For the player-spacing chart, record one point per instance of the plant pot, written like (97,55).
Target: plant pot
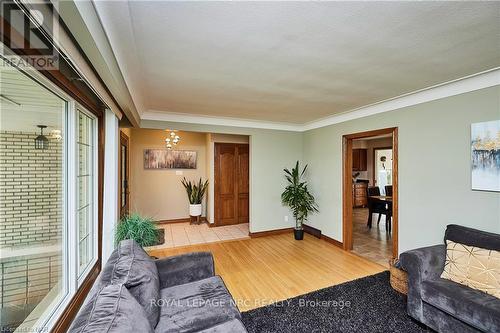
(299,234)
(195,210)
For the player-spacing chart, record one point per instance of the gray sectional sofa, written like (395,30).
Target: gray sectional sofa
(444,305)
(135,293)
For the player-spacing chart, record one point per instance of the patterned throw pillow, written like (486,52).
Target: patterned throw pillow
(474,267)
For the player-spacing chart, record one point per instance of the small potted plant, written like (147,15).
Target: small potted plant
(141,229)
(298,198)
(195,193)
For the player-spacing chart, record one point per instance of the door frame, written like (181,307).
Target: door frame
(123,139)
(347,191)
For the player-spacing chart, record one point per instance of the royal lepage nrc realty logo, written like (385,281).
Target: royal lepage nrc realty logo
(22,33)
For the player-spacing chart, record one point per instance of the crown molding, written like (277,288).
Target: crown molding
(219,121)
(466,84)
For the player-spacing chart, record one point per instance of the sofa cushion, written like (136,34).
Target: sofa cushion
(473,267)
(195,306)
(129,264)
(474,307)
(111,309)
(472,237)
(137,271)
(231,326)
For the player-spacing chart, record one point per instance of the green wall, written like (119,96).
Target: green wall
(434,168)
(270,152)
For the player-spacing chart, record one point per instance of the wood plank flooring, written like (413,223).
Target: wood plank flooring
(263,270)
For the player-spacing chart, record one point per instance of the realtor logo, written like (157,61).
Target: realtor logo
(28,30)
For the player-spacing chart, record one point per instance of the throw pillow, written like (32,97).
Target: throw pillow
(473,267)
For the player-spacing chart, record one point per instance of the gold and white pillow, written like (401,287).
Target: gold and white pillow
(472,266)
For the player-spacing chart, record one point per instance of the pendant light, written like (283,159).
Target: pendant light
(41,141)
(173,140)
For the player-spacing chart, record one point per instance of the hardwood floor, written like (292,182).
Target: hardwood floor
(263,270)
(374,244)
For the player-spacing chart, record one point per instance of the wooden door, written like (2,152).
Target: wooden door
(231,183)
(124,193)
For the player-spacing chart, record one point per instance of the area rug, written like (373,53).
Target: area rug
(365,305)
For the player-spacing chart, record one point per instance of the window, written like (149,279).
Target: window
(48,200)
(383,168)
(86,195)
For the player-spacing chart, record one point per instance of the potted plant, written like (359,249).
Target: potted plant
(298,198)
(139,228)
(195,193)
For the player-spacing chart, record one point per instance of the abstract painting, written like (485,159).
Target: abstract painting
(169,159)
(485,143)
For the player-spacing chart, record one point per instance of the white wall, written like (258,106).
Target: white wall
(434,168)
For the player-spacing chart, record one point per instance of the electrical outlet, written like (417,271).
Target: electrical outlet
(286,218)
(178,172)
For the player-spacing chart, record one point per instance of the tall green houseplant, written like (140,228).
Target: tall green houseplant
(298,198)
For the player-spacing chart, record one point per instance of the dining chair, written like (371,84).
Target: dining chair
(376,206)
(388,190)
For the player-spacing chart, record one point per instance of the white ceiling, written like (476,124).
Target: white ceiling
(33,104)
(294,62)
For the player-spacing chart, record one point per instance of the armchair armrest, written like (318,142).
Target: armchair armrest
(185,268)
(427,262)
(422,264)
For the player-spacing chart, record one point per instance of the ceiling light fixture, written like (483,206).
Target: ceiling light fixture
(41,141)
(172,140)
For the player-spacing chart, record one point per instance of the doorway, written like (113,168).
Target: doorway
(231,184)
(383,172)
(124,172)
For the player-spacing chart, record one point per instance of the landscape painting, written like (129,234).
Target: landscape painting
(169,159)
(485,142)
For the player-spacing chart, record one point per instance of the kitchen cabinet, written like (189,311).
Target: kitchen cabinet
(359,160)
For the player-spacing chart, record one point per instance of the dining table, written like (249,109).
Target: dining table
(385,199)
(382,198)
